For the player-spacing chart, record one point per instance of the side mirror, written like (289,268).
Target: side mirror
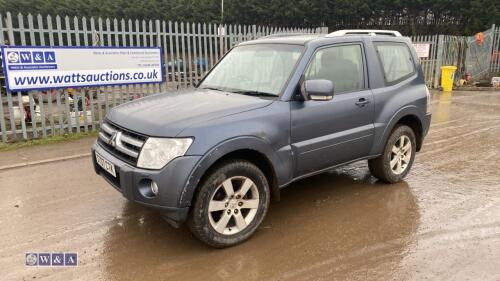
(317,89)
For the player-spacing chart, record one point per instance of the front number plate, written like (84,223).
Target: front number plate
(105,164)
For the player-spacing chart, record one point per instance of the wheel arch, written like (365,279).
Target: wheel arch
(409,116)
(415,124)
(251,149)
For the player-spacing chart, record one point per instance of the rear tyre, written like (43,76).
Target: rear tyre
(396,161)
(230,204)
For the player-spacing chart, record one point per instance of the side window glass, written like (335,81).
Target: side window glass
(343,65)
(396,61)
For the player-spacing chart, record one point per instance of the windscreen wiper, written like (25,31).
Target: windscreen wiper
(255,93)
(212,88)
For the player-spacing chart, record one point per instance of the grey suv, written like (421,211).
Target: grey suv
(271,112)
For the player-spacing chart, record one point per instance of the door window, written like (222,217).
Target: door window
(343,65)
(396,61)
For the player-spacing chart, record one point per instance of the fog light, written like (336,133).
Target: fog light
(148,188)
(154,188)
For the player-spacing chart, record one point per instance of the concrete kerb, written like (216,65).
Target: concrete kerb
(45,161)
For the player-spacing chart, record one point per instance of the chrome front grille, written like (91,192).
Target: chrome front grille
(124,144)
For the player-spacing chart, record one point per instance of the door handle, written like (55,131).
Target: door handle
(362,102)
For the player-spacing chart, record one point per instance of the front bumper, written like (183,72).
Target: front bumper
(171,181)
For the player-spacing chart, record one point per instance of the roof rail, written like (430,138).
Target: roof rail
(371,32)
(286,34)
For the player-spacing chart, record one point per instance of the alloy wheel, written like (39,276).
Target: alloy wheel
(233,205)
(400,155)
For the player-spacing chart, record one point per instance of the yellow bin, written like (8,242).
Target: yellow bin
(447,77)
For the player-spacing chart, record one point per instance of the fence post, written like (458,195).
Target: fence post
(211,46)
(439,58)
(31,109)
(10,29)
(195,51)
(3,129)
(490,51)
(189,67)
(2,119)
(23,114)
(10,106)
(2,40)
(216,42)
(172,56)
(158,44)
(183,47)
(204,52)
(495,65)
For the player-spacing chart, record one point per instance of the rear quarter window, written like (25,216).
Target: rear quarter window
(396,61)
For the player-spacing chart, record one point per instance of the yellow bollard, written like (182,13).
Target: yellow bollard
(447,77)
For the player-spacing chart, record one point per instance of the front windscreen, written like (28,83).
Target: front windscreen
(260,68)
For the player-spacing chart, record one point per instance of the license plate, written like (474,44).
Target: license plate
(105,164)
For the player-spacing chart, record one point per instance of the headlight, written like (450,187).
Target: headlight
(157,152)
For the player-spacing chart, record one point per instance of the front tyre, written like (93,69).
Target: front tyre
(396,161)
(230,204)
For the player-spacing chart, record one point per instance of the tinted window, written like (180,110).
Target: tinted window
(343,65)
(396,61)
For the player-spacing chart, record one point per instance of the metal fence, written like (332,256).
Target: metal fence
(190,49)
(430,63)
(472,58)
(495,51)
(478,55)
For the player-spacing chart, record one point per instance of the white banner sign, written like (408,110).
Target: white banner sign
(37,68)
(422,49)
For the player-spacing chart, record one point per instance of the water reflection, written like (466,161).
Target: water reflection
(341,224)
(442,108)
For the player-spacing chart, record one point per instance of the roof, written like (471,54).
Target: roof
(283,38)
(370,32)
(304,38)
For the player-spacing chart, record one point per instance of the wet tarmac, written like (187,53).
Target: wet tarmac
(441,223)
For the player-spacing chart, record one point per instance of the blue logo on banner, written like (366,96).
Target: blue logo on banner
(13,57)
(43,259)
(25,57)
(57,259)
(70,259)
(31,259)
(35,60)
(51,259)
(38,57)
(50,56)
